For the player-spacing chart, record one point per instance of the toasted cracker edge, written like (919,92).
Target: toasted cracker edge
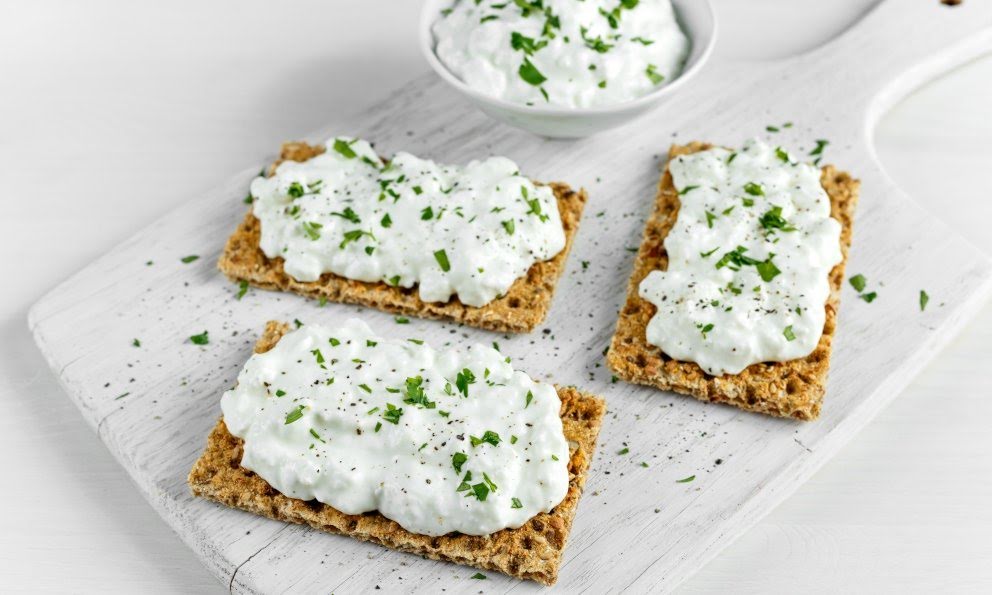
(524,306)
(785,389)
(532,551)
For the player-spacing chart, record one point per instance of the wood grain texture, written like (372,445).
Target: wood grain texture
(85,327)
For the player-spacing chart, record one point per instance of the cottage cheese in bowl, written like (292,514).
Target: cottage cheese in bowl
(562,53)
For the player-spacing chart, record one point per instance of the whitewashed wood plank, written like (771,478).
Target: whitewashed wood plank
(636,527)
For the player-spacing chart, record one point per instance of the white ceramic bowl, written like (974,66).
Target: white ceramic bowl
(697,20)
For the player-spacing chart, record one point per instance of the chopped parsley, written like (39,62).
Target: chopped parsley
(595,44)
(190,258)
(818,150)
(311,229)
(869,297)
(426,214)
(348,214)
(479,576)
(457,460)
(704,328)
(509,226)
(442,260)
(858,282)
(242,289)
(294,415)
(754,189)
(415,394)
(516,503)
(773,221)
(686,479)
(201,339)
(295,190)
(924,299)
(789,335)
(344,148)
(136,343)
(653,74)
(528,399)
(463,379)
(488,437)
(525,44)
(392,414)
(386,221)
(530,73)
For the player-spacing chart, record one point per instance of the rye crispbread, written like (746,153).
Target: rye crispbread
(532,551)
(785,389)
(523,307)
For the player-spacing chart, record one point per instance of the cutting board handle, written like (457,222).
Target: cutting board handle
(901,44)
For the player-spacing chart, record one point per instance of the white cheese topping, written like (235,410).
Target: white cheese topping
(749,259)
(562,52)
(469,231)
(438,441)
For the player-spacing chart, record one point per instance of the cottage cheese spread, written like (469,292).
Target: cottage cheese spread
(438,441)
(749,259)
(469,231)
(569,53)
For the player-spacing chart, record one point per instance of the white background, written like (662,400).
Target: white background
(112,113)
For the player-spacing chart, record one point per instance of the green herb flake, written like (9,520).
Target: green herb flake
(789,335)
(924,299)
(516,503)
(311,229)
(401,320)
(479,576)
(686,479)
(392,413)
(623,451)
(869,297)
(242,290)
(190,258)
(656,77)
(442,260)
(457,460)
(488,437)
(386,221)
(509,226)
(530,73)
(463,379)
(858,282)
(344,148)
(136,343)
(754,189)
(528,399)
(294,415)
(348,214)
(201,339)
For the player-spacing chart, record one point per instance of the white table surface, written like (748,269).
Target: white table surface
(140,105)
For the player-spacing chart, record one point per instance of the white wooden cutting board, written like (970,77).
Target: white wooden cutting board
(636,527)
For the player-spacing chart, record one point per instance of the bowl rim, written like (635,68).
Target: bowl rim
(430,10)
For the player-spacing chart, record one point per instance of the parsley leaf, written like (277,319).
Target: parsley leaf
(442,260)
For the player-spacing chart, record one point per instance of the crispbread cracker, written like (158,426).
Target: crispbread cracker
(523,307)
(532,551)
(785,389)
